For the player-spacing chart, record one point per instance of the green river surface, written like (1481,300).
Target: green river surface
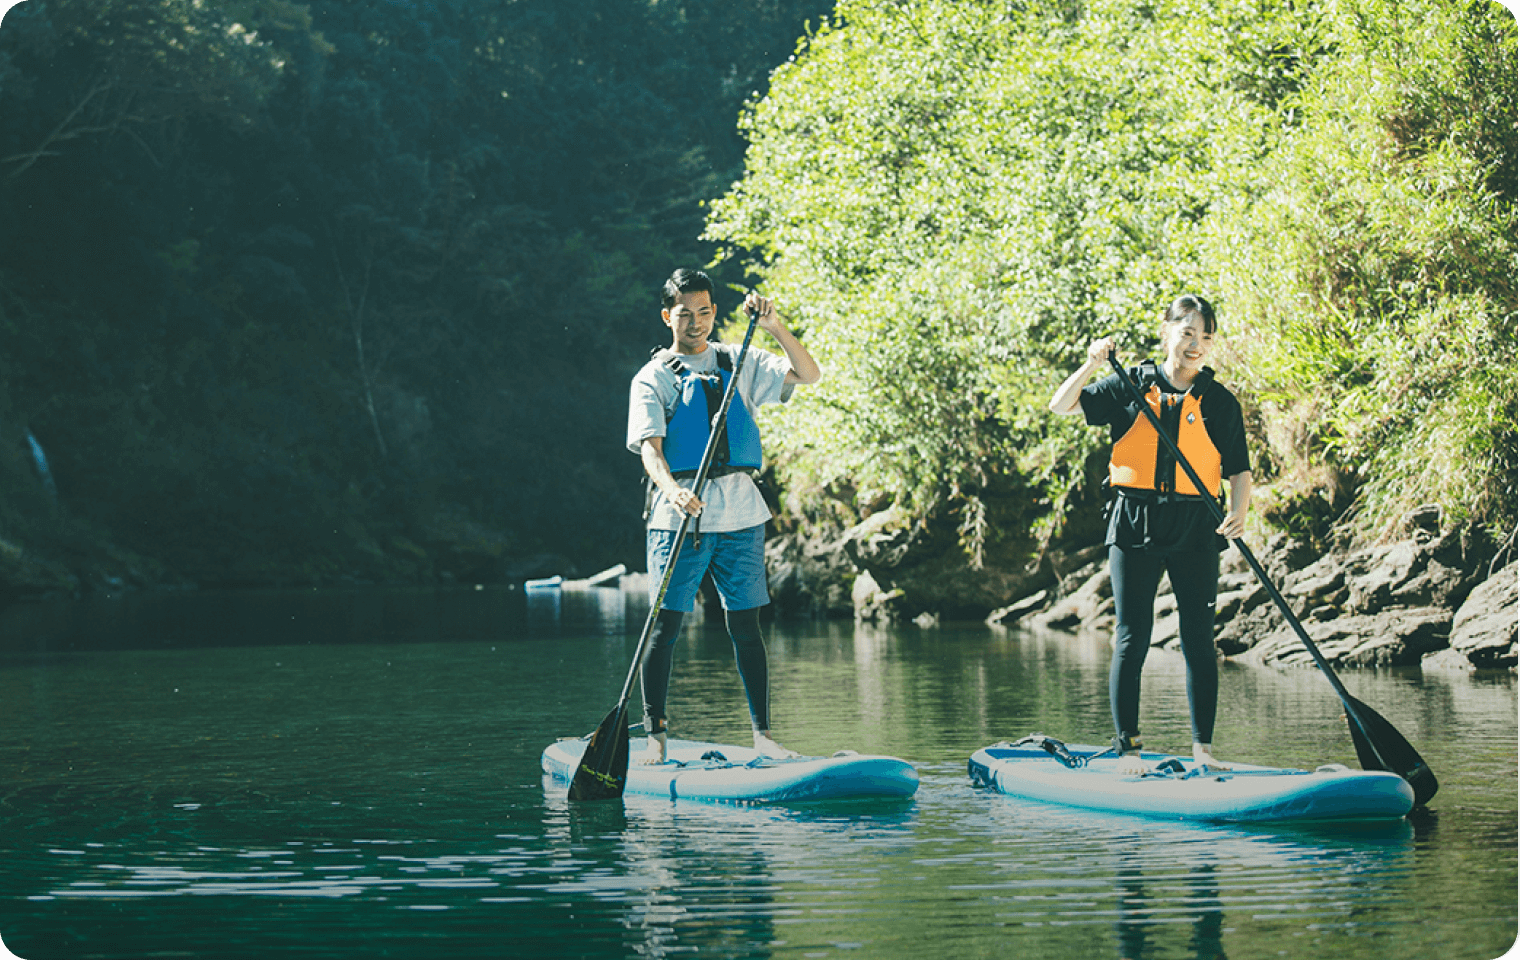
(356,774)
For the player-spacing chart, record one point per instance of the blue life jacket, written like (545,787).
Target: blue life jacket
(687,428)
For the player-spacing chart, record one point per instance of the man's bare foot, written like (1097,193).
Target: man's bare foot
(770,748)
(654,754)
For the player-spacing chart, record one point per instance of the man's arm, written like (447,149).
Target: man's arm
(804,367)
(652,452)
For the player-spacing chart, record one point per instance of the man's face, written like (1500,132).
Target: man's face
(690,319)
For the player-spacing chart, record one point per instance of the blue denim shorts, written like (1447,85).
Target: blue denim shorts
(736,558)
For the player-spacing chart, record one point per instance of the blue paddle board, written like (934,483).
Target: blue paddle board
(1178,789)
(723,772)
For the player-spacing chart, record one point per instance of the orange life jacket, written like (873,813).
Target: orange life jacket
(1140,461)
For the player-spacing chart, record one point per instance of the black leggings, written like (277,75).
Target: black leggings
(749,654)
(1195,581)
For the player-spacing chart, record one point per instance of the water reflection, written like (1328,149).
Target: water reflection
(871,646)
(1181,890)
(690,887)
(1201,909)
(357,774)
(543,609)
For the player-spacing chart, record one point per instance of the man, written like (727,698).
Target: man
(669,419)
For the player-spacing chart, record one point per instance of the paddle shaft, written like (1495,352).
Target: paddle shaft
(719,419)
(1240,543)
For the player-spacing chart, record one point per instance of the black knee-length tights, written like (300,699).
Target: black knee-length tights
(749,654)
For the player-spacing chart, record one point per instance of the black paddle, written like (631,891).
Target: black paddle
(603,770)
(1378,745)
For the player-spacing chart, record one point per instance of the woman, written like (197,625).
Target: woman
(1159,521)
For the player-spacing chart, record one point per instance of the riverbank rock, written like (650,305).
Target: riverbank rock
(78,567)
(923,567)
(1384,605)
(1085,604)
(1394,638)
(871,603)
(1073,600)
(810,577)
(1483,632)
(888,569)
(23,576)
(1429,597)
(973,553)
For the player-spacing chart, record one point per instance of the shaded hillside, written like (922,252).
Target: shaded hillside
(314,292)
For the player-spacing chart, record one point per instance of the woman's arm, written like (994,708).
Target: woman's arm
(1068,397)
(1234,525)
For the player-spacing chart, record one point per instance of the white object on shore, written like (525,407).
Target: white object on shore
(607,578)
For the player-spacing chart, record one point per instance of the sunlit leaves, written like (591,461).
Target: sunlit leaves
(1375,268)
(957,196)
(964,194)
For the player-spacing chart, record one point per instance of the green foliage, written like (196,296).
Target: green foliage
(956,197)
(1376,278)
(303,289)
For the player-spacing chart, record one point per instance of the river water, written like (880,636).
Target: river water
(335,775)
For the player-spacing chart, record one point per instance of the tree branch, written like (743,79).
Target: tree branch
(62,131)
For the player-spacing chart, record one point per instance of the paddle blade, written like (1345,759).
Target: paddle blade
(603,770)
(1381,747)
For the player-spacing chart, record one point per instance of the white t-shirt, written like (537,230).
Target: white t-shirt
(733,502)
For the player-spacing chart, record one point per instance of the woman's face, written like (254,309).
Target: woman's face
(1186,343)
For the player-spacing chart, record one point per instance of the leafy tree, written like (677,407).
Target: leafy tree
(1377,274)
(962,195)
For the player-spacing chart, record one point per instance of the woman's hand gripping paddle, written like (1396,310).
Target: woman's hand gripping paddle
(603,770)
(1378,745)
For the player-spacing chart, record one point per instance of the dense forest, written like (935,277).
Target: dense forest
(964,195)
(347,290)
(350,290)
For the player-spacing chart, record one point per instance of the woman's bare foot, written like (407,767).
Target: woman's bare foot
(1131,765)
(1203,755)
(770,748)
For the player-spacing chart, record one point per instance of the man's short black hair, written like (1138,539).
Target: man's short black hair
(685,280)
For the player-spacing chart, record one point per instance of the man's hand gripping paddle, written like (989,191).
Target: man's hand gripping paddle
(1378,745)
(603,770)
